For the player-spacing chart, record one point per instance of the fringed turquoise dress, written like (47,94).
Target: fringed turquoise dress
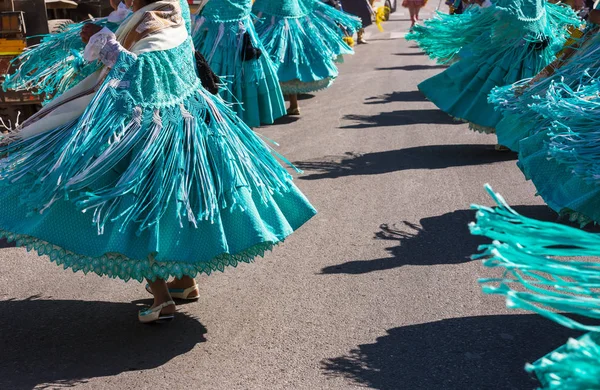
(558,152)
(562,160)
(156,178)
(517,102)
(524,39)
(224,34)
(56,63)
(304,38)
(443,36)
(541,273)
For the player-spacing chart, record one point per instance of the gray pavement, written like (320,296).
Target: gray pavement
(376,291)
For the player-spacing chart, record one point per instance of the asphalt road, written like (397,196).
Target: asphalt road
(376,291)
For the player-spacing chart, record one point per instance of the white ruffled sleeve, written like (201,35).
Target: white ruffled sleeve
(104,46)
(120,14)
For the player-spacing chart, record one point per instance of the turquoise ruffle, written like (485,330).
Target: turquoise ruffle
(575,365)
(54,65)
(539,265)
(443,36)
(541,272)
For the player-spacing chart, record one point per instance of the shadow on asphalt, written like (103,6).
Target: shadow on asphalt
(487,352)
(302,96)
(399,96)
(305,96)
(418,157)
(286,120)
(400,118)
(443,239)
(62,343)
(420,53)
(5,244)
(414,67)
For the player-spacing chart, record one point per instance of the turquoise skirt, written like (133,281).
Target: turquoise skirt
(305,48)
(528,105)
(560,153)
(575,365)
(252,86)
(462,90)
(517,105)
(563,191)
(508,53)
(187,189)
(71,239)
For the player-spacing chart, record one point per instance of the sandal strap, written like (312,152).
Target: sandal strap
(164,304)
(189,290)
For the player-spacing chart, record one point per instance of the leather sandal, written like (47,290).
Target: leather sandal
(180,293)
(293,111)
(153,314)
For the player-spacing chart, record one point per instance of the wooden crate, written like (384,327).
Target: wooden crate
(12,24)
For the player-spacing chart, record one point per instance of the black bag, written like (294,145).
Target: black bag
(334,3)
(540,44)
(249,52)
(210,81)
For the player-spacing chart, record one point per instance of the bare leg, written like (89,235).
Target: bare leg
(411,11)
(293,101)
(417,14)
(161,295)
(294,109)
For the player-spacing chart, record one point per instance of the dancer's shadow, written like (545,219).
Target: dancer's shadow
(398,96)
(419,157)
(302,96)
(486,352)
(419,53)
(400,118)
(5,244)
(286,120)
(305,96)
(414,67)
(60,343)
(443,239)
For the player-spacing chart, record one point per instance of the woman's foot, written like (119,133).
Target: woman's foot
(294,108)
(185,284)
(163,308)
(293,111)
(158,312)
(185,288)
(360,37)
